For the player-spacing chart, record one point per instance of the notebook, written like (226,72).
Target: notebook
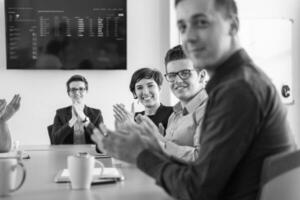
(110,174)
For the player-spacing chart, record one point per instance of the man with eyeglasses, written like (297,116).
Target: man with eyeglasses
(184,124)
(245,121)
(74,124)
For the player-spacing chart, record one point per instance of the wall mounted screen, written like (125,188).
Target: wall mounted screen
(66,34)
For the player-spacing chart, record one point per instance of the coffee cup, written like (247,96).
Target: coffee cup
(81,167)
(8,175)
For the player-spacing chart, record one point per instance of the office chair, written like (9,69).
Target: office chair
(49,128)
(281,177)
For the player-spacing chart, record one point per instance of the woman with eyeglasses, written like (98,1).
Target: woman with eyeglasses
(74,124)
(145,85)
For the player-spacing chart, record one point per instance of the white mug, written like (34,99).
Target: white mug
(81,168)
(8,175)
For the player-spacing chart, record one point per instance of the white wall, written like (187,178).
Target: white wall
(44,91)
(288,9)
(270,9)
(148,39)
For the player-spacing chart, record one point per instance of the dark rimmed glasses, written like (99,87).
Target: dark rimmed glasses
(183,74)
(80,89)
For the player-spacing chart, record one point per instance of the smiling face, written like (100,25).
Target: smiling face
(205,31)
(186,89)
(77,91)
(147,92)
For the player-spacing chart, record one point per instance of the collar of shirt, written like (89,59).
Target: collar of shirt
(235,60)
(198,100)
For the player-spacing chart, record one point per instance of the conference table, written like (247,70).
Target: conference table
(46,160)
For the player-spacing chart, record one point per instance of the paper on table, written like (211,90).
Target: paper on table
(109,172)
(15,154)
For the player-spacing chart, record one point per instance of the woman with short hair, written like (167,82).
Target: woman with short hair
(145,85)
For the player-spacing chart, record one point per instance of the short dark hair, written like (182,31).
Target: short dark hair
(176,53)
(77,78)
(229,6)
(145,73)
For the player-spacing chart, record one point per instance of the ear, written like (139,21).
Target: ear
(235,25)
(202,76)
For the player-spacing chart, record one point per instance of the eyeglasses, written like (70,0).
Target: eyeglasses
(183,74)
(80,89)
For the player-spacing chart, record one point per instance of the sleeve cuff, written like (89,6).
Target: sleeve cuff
(170,148)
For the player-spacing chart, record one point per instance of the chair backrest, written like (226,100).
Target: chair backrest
(281,177)
(49,128)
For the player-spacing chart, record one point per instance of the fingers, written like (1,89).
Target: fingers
(16,101)
(97,138)
(2,104)
(121,112)
(103,129)
(147,122)
(126,144)
(138,118)
(132,109)
(78,111)
(161,129)
(75,111)
(118,113)
(118,118)
(112,143)
(151,130)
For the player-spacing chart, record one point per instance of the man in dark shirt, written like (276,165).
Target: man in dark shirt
(244,123)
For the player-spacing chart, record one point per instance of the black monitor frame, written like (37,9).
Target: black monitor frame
(66,34)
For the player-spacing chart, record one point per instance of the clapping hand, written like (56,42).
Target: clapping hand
(122,116)
(7,112)
(78,111)
(126,144)
(161,129)
(150,130)
(2,106)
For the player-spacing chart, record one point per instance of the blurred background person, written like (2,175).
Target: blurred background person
(6,112)
(74,124)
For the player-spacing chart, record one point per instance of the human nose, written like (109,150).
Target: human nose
(178,79)
(190,35)
(145,90)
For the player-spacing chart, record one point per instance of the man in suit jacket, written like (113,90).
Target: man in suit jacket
(74,124)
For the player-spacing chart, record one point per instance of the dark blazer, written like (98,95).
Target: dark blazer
(62,133)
